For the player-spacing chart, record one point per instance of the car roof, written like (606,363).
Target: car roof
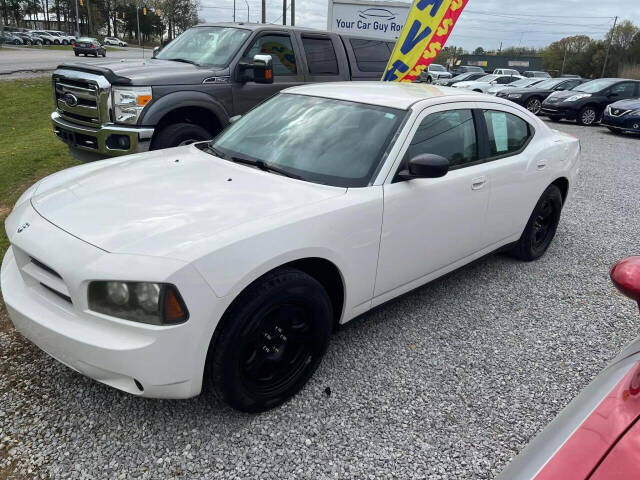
(398,95)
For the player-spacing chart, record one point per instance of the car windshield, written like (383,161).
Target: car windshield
(333,142)
(487,78)
(462,76)
(595,85)
(205,45)
(548,84)
(524,82)
(437,68)
(86,39)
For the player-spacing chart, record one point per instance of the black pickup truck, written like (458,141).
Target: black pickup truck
(192,87)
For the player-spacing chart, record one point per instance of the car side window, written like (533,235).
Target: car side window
(624,90)
(572,84)
(450,134)
(321,56)
(507,133)
(504,80)
(281,51)
(371,55)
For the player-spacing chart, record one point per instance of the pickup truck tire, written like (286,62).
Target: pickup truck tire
(269,342)
(77,54)
(179,134)
(541,227)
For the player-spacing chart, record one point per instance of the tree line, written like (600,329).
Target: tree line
(578,54)
(160,19)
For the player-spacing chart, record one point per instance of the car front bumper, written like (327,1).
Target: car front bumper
(102,141)
(144,360)
(553,110)
(627,123)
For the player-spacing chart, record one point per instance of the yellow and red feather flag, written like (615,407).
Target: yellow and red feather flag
(427,29)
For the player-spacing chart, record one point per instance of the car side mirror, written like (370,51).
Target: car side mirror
(235,118)
(155,52)
(626,277)
(262,66)
(426,165)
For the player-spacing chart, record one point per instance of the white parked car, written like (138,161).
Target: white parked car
(64,39)
(522,83)
(46,37)
(506,71)
(483,84)
(229,262)
(114,41)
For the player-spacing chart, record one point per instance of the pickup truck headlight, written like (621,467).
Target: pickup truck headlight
(144,302)
(128,103)
(576,97)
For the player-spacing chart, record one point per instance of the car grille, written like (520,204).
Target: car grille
(38,274)
(79,98)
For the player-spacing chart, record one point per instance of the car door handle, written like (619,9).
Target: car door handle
(478,183)
(541,164)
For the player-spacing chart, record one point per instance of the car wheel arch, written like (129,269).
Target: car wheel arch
(563,184)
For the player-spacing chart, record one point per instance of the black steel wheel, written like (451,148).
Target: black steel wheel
(270,341)
(541,227)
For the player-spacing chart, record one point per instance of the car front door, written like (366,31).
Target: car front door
(621,91)
(286,70)
(433,224)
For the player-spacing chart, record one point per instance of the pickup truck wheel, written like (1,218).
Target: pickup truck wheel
(270,342)
(541,227)
(77,54)
(179,134)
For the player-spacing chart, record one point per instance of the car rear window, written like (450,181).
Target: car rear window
(321,56)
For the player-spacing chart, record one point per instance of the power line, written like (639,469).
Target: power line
(541,22)
(470,10)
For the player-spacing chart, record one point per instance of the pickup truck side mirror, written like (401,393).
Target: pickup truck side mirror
(155,52)
(262,66)
(426,165)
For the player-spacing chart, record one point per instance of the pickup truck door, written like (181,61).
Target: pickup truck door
(287,70)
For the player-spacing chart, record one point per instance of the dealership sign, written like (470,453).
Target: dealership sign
(383,20)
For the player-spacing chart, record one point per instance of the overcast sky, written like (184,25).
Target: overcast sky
(483,23)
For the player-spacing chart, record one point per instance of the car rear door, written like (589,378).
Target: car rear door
(432,223)
(323,57)
(287,69)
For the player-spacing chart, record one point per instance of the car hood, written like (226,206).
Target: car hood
(148,71)
(561,94)
(468,84)
(158,202)
(629,104)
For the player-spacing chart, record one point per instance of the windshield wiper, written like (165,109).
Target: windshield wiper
(267,167)
(209,146)
(183,60)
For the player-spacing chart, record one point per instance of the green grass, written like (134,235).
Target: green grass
(28,148)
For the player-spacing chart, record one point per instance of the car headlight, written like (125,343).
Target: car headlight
(577,96)
(515,95)
(144,302)
(128,103)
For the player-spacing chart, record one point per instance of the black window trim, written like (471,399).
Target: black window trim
(319,36)
(277,33)
(482,140)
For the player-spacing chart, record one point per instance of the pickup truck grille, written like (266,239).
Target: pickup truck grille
(81,98)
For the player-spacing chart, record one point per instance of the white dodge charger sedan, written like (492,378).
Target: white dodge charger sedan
(227,264)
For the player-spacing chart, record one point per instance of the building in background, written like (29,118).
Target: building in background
(490,62)
(383,20)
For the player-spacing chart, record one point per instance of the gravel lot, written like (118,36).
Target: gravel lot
(449,381)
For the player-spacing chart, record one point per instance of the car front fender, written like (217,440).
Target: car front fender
(190,98)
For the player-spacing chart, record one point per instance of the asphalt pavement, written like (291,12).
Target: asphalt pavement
(447,382)
(15,60)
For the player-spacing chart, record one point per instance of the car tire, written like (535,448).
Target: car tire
(104,54)
(541,227)
(179,134)
(77,54)
(270,341)
(56,42)
(534,105)
(587,116)
(616,131)
(429,80)
(64,42)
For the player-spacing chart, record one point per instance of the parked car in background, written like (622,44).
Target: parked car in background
(535,73)
(115,267)
(89,46)
(195,84)
(569,75)
(522,83)
(63,39)
(586,103)
(506,71)
(532,98)
(463,77)
(29,39)
(47,38)
(467,69)
(433,73)
(483,84)
(596,436)
(623,116)
(11,39)
(114,41)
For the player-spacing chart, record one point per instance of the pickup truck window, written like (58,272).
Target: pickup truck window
(320,140)
(321,56)
(371,55)
(205,45)
(281,51)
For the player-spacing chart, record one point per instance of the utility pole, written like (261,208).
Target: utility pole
(606,57)
(564,59)
(248,15)
(234,11)
(138,21)
(293,12)
(264,11)
(500,49)
(88,20)
(77,21)
(284,12)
